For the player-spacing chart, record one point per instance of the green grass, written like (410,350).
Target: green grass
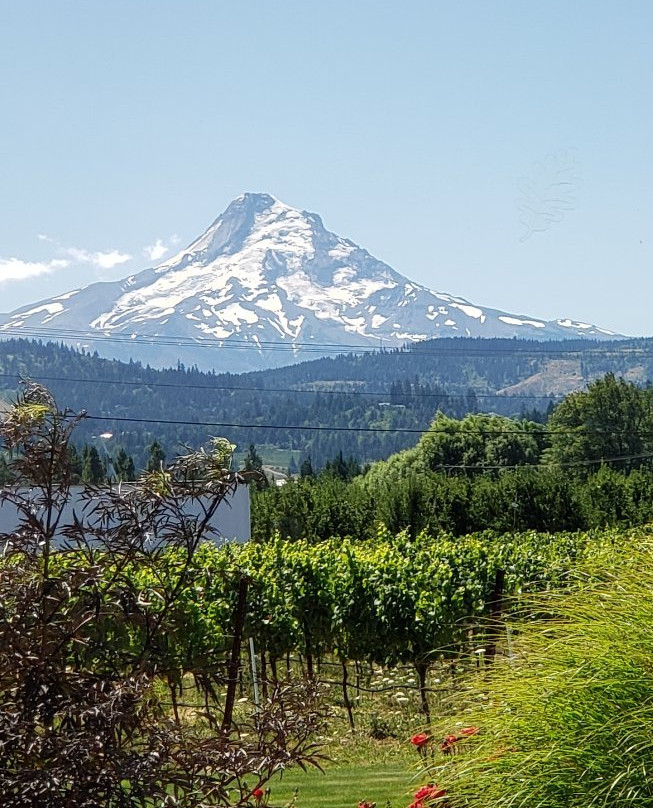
(345,786)
(270,454)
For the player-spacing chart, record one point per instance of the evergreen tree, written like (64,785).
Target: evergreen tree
(157,458)
(253,460)
(343,469)
(123,465)
(75,462)
(5,472)
(92,469)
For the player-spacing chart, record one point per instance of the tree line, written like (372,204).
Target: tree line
(589,466)
(383,391)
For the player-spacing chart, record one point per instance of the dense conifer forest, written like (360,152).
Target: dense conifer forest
(307,408)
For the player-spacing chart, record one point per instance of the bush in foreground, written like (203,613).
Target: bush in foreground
(85,645)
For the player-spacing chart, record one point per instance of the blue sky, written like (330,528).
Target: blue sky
(421,130)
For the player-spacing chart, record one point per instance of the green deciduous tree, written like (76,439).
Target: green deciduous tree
(611,419)
(480,441)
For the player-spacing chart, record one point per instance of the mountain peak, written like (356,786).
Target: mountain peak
(225,234)
(255,198)
(234,226)
(266,276)
(250,203)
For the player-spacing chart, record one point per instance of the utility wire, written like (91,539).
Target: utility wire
(229,388)
(307,428)
(581,430)
(551,466)
(218,343)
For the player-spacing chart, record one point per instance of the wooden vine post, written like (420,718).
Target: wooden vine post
(233,665)
(496,613)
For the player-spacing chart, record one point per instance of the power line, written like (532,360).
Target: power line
(229,388)
(185,341)
(551,466)
(237,343)
(307,428)
(581,430)
(442,467)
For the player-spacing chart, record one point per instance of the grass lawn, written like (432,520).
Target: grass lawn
(345,785)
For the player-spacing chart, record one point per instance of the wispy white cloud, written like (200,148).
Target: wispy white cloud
(156,250)
(101,260)
(15,269)
(160,247)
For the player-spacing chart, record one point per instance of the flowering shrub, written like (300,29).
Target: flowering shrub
(89,630)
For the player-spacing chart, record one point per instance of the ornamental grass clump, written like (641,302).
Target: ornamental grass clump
(566,720)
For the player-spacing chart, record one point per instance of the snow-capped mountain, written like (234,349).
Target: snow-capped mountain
(266,285)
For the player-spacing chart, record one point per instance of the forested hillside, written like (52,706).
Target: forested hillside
(588,467)
(367,406)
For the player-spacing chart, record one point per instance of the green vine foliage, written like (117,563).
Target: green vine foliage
(386,600)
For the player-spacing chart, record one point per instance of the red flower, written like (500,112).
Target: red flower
(432,792)
(420,740)
(448,743)
(258,794)
(469,731)
(366,804)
